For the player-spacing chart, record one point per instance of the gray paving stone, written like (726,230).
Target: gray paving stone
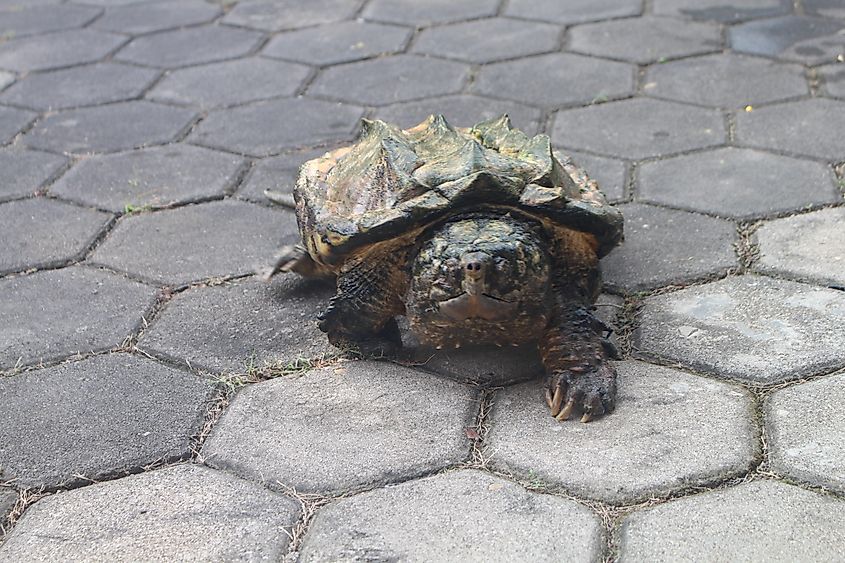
(40,233)
(390,80)
(8,498)
(232,327)
(555,80)
(646,39)
(276,15)
(54,314)
(461,110)
(230,82)
(758,521)
(96,418)
(23,172)
(32,20)
(722,11)
(806,426)
(80,86)
(573,11)
(796,38)
(338,42)
(155,177)
(834,79)
(825,8)
(810,247)
(12,122)
(726,80)
(638,128)
(276,173)
(611,174)
(488,40)
(183,47)
(156,16)
(186,512)
(738,183)
(195,242)
(670,430)
(423,14)
(664,247)
(264,128)
(104,128)
(404,424)
(749,328)
(809,127)
(6,78)
(455,516)
(56,50)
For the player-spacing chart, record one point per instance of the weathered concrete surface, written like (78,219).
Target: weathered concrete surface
(670,430)
(454,516)
(806,425)
(749,328)
(759,521)
(186,513)
(342,421)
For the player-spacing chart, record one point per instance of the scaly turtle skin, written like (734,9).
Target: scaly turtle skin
(478,235)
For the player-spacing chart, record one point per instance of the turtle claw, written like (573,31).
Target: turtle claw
(566,412)
(587,417)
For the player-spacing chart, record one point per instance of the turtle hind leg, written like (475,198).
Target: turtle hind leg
(294,258)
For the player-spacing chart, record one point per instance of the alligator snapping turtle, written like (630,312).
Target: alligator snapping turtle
(480,235)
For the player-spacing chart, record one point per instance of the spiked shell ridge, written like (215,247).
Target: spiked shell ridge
(393,181)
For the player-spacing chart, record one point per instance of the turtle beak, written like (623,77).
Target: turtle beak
(475,302)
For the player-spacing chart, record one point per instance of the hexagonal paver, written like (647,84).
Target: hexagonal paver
(726,80)
(722,11)
(810,246)
(230,82)
(422,14)
(104,128)
(404,424)
(390,79)
(23,172)
(182,512)
(57,50)
(611,174)
(806,424)
(646,39)
(758,521)
(664,247)
(53,314)
(264,128)
(6,78)
(638,128)
(555,80)
(462,110)
(827,8)
(99,417)
(809,127)
(834,79)
(749,327)
(573,11)
(670,430)
(155,177)
(40,233)
(40,19)
(444,518)
(796,38)
(338,42)
(12,121)
(488,40)
(195,242)
(739,183)
(233,327)
(276,174)
(156,16)
(275,15)
(183,47)
(80,86)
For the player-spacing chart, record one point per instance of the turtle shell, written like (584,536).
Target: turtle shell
(392,182)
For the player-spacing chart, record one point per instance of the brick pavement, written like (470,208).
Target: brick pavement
(157,402)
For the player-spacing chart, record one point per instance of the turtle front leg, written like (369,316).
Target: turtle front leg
(575,354)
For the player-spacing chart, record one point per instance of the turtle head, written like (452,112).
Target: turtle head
(480,270)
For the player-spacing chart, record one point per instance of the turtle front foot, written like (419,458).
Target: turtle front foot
(591,392)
